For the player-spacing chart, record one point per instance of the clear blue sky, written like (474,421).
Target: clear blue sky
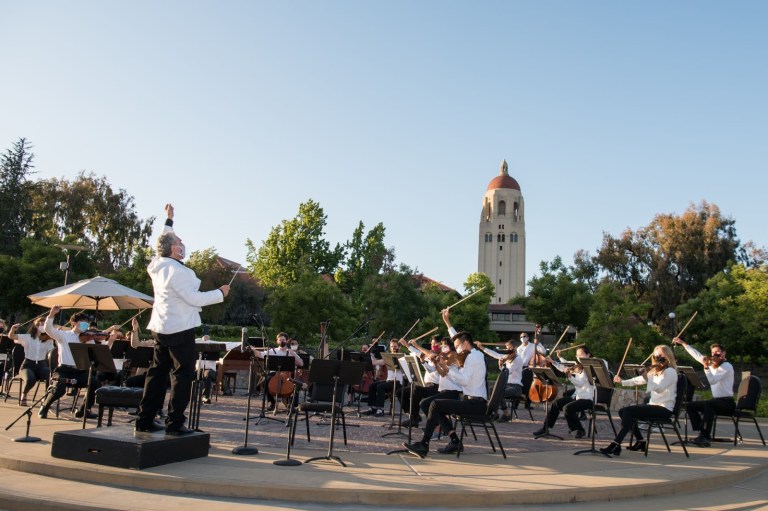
(398,112)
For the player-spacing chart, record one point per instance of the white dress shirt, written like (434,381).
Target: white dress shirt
(514,366)
(471,377)
(662,387)
(583,388)
(720,378)
(62,338)
(34,348)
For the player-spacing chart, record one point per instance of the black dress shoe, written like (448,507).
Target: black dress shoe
(700,441)
(612,449)
(539,432)
(88,414)
(451,448)
(419,449)
(154,427)
(180,431)
(43,413)
(580,433)
(638,446)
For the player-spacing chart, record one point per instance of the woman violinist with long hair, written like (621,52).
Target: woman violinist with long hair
(661,380)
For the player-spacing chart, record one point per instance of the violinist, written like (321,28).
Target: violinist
(282,350)
(37,344)
(572,404)
(719,373)
(66,369)
(377,391)
(471,377)
(446,388)
(661,379)
(514,364)
(431,379)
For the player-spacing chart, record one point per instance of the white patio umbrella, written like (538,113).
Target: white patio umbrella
(97,293)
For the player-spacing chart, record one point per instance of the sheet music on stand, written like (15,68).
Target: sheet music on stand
(598,372)
(390,360)
(693,377)
(632,370)
(410,367)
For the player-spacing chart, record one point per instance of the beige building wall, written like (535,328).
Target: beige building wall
(501,237)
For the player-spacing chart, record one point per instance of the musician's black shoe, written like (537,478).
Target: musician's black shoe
(411,423)
(612,449)
(451,448)
(370,411)
(179,431)
(206,400)
(379,413)
(539,432)
(419,449)
(701,441)
(580,433)
(153,427)
(88,414)
(504,418)
(637,446)
(43,412)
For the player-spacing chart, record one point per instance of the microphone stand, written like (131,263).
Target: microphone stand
(244,449)
(28,413)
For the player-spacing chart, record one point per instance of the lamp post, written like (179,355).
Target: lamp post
(672,325)
(68,249)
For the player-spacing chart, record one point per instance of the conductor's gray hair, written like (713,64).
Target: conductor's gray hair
(164,243)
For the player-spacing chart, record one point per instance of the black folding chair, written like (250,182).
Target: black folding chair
(672,422)
(746,407)
(487,419)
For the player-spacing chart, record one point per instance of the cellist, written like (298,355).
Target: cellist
(282,350)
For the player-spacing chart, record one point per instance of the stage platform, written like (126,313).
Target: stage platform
(542,472)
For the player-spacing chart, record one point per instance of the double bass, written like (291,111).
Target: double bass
(539,391)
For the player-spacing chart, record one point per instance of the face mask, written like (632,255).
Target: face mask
(459,350)
(182,250)
(282,344)
(445,349)
(83,326)
(294,347)
(524,339)
(40,330)
(435,348)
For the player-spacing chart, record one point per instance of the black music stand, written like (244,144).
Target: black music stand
(244,450)
(410,364)
(598,377)
(391,361)
(92,358)
(205,351)
(549,378)
(694,383)
(274,363)
(632,371)
(338,374)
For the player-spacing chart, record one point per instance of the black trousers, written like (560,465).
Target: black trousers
(572,408)
(702,413)
(72,373)
(419,393)
(377,392)
(440,411)
(443,394)
(209,376)
(174,354)
(32,371)
(629,414)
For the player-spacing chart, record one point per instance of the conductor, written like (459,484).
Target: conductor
(175,314)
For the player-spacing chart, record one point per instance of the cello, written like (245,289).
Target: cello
(539,391)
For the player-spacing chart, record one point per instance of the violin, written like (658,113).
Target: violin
(94,335)
(713,362)
(539,391)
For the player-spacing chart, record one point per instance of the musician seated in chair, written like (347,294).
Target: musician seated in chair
(378,390)
(514,364)
(471,377)
(66,371)
(37,344)
(431,380)
(719,374)
(282,350)
(572,403)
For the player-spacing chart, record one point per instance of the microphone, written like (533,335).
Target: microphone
(243,339)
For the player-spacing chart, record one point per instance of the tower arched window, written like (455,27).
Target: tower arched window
(502,208)
(513,237)
(516,212)
(488,237)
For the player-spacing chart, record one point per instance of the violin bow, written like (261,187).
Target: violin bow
(621,366)
(686,325)
(465,298)
(561,339)
(425,334)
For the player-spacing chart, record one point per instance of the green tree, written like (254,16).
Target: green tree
(472,314)
(394,301)
(614,318)
(293,248)
(733,310)
(15,204)
(299,308)
(212,275)
(89,212)
(669,261)
(365,256)
(557,298)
